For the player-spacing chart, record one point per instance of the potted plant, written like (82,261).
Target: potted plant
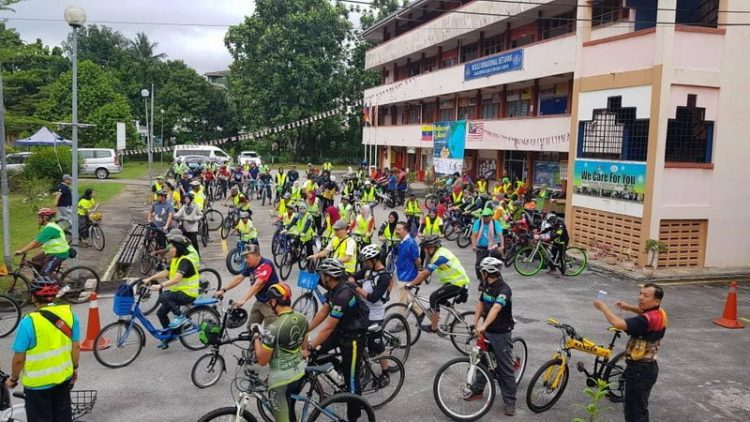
(628,262)
(593,250)
(607,254)
(653,248)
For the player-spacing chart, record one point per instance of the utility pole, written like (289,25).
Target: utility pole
(4,181)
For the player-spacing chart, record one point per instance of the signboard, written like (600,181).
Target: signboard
(120,136)
(547,173)
(448,149)
(492,65)
(625,181)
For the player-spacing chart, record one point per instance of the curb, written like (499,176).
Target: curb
(740,276)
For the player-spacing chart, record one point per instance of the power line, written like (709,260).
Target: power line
(194,24)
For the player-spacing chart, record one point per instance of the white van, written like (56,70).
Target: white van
(247,157)
(100,162)
(209,151)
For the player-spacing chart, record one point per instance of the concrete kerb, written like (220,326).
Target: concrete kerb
(666,276)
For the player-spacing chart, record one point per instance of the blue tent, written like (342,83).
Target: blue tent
(43,138)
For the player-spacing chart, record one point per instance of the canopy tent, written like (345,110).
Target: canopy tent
(43,137)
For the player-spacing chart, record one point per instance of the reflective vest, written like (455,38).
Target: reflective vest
(157,188)
(451,272)
(199,198)
(247,231)
(236,199)
(390,238)
(176,199)
(58,245)
(282,207)
(296,195)
(457,198)
(432,227)
(280,180)
(305,235)
(501,217)
(286,219)
(345,211)
(188,285)
(310,185)
(413,209)
(327,166)
(482,186)
(362,228)
(541,200)
(314,208)
(85,205)
(338,248)
(328,232)
(49,362)
(369,196)
(497,189)
(508,187)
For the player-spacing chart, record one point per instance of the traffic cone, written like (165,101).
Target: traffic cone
(93,327)
(729,317)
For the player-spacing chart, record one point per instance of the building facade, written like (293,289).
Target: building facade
(630,107)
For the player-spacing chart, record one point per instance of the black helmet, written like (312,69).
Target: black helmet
(431,241)
(236,317)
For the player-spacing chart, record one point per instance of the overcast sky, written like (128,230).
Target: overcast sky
(200,46)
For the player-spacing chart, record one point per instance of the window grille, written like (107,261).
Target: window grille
(614,133)
(689,135)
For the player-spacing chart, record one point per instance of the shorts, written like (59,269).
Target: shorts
(375,342)
(443,294)
(261,313)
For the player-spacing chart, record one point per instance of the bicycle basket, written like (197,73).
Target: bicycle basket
(123,301)
(308,281)
(82,402)
(210,333)
(96,216)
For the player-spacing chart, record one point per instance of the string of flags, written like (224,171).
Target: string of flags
(258,134)
(547,140)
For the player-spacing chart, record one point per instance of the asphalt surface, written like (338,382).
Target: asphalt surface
(703,368)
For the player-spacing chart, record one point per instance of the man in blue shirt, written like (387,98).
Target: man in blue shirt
(486,238)
(407,260)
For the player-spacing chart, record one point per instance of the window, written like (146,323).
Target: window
(526,39)
(466,113)
(698,12)
(606,11)
(614,133)
(428,112)
(449,58)
(469,52)
(412,115)
(689,135)
(445,115)
(428,64)
(102,153)
(559,25)
(88,154)
(493,45)
(490,109)
(518,108)
(414,69)
(515,165)
(553,105)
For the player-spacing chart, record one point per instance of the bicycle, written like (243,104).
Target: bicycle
(549,381)
(10,315)
(234,261)
(209,281)
(230,221)
(81,402)
(127,335)
(149,260)
(455,379)
(530,260)
(212,218)
(76,283)
(93,231)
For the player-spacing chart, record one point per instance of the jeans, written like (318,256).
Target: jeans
(171,302)
(481,253)
(50,404)
(502,347)
(639,378)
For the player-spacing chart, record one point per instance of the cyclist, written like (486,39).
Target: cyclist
(265,185)
(45,354)
(542,197)
(387,233)
(363,225)
(457,197)
(86,205)
(199,194)
(182,280)
(368,194)
(281,347)
(160,218)
(306,229)
(314,208)
(252,182)
(235,195)
(450,272)
(293,174)
(343,321)
(331,217)
(342,248)
(373,284)
(481,185)
(557,233)
(190,216)
(246,229)
(413,213)
(237,177)
(346,210)
(283,204)
(264,276)
(51,238)
(495,309)
(329,191)
(486,238)
(432,224)
(157,186)
(309,185)
(295,194)
(224,175)
(280,180)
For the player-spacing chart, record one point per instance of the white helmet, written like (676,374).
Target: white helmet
(333,178)
(370,252)
(491,265)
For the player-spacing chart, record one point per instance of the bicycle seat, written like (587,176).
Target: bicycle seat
(205,301)
(19,394)
(374,328)
(614,330)
(318,369)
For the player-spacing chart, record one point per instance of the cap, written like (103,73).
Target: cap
(487,212)
(195,183)
(67,177)
(340,225)
(251,249)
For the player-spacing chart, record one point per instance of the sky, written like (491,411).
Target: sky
(201,46)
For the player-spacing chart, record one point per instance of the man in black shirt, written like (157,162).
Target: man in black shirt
(64,199)
(495,307)
(292,175)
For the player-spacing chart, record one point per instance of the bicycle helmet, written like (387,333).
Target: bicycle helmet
(491,265)
(370,252)
(176,236)
(244,214)
(331,267)
(44,287)
(367,183)
(46,212)
(431,241)
(236,318)
(551,218)
(333,178)
(195,183)
(162,192)
(281,292)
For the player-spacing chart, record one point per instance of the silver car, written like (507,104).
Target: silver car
(17,162)
(101,162)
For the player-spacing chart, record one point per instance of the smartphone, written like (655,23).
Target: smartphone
(602,295)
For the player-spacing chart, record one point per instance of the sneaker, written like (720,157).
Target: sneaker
(163,345)
(510,409)
(470,395)
(427,328)
(177,322)
(384,380)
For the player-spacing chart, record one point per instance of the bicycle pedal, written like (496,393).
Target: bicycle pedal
(581,367)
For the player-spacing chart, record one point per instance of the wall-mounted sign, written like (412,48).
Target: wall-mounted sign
(499,63)
(621,180)
(449,143)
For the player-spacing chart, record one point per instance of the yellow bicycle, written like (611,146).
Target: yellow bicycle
(549,381)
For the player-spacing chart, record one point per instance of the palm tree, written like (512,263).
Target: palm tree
(142,50)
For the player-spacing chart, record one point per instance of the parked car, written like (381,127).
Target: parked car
(101,162)
(17,162)
(209,151)
(247,157)
(196,161)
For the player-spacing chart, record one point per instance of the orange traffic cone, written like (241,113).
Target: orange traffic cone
(93,327)
(729,318)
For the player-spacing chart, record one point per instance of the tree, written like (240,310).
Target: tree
(102,45)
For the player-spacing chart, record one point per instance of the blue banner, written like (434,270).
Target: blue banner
(499,63)
(449,143)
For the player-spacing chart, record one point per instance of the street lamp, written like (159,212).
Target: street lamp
(146,94)
(75,16)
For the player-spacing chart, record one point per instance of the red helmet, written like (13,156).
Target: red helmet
(44,287)
(46,212)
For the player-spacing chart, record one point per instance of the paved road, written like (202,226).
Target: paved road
(704,369)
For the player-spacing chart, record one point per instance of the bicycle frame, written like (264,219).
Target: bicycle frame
(424,305)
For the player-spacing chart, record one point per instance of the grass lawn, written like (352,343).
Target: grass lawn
(139,169)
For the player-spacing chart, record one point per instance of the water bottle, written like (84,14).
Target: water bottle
(336,377)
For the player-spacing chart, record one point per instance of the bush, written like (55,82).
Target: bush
(36,192)
(49,164)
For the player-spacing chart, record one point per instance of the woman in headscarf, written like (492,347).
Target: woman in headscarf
(332,216)
(190,216)
(387,233)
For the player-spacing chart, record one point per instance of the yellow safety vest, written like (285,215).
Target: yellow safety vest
(286,219)
(282,207)
(369,197)
(305,236)
(482,186)
(296,196)
(413,209)
(452,272)
(432,227)
(58,245)
(85,205)
(189,285)
(280,180)
(497,189)
(176,199)
(199,198)
(390,238)
(49,362)
(508,187)
(362,228)
(310,185)
(247,230)
(158,187)
(338,246)
(314,208)
(457,198)
(345,212)
(236,199)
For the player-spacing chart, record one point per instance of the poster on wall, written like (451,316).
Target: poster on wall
(547,173)
(448,148)
(619,180)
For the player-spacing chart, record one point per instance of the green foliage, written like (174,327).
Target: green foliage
(48,164)
(596,395)
(36,192)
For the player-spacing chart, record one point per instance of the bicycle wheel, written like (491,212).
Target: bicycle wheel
(196,316)
(17,288)
(226,227)
(452,231)
(464,237)
(210,280)
(527,262)
(411,319)
(397,336)
(148,262)
(96,234)
(234,261)
(286,266)
(576,261)
(307,305)
(462,332)
(282,249)
(149,302)
(547,385)
(207,370)
(454,381)
(316,396)
(228,414)
(213,219)
(380,386)
(519,355)
(127,343)
(613,374)
(10,315)
(81,282)
(203,230)
(343,407)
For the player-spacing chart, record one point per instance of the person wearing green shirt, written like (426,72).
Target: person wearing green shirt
(280,346)
(51,239)
(86,205)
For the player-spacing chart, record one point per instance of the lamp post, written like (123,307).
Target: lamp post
(75,16)
(4,181)
(161,155)
(145,94)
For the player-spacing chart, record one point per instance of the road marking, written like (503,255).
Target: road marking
(685,283)
(745,319)
(224,247)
